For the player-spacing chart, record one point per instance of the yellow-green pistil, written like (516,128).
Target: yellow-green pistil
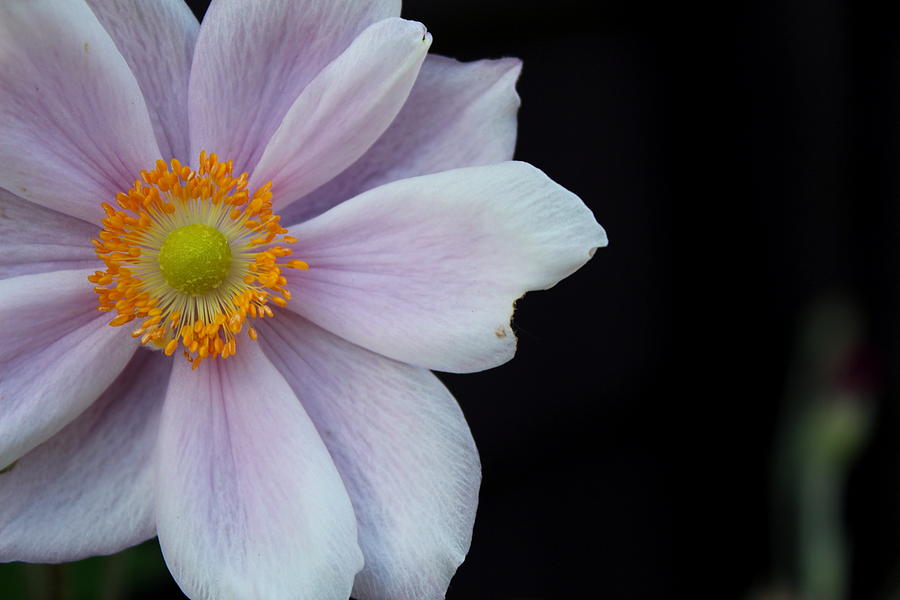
(195,259)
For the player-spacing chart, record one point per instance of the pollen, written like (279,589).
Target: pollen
(195,259)
(194,255)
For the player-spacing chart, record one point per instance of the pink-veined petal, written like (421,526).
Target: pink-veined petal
(426,270)
(249,503)
(457,115)
(156,39)
(254,58)
(34,239)
(75,126)
(344,110)
(88,490)
(57,355)
(404,451)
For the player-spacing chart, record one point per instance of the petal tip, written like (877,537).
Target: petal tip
(514,65)
(602,241)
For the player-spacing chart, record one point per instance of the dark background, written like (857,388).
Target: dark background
(804,101)
(792,117)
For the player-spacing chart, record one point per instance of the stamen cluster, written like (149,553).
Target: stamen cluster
(170,197)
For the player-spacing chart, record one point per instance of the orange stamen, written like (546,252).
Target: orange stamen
(134,228)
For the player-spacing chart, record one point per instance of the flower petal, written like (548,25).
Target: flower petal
(89,489)
(403,449)
(56,356)
(344,110)
(157,41)
(254,58)
(457,115)
(75,127)
(34,239)
(249,503)
(426,270)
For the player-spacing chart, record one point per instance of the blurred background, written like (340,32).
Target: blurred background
(801,99)
(752,415)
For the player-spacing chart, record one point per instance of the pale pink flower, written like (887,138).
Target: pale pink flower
(325,456)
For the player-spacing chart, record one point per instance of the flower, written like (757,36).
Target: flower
(211,165)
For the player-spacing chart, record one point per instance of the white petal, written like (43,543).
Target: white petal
(457,115)
(156,39)
(88,490)
(254,58)
(426,270)
(34,239)
(343,110)
(56,356)
(250,505)
(75,126)
(403,449)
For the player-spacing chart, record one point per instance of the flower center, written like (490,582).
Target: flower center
(195,255)
(195,259)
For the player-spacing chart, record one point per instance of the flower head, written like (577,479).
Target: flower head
(314,214)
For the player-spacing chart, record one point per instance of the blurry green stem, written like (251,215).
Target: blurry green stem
(833,435)
(824,425)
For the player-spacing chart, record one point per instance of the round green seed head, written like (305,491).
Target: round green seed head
(195,259)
